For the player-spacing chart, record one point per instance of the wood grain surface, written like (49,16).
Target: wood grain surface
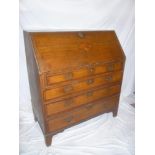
(73,76)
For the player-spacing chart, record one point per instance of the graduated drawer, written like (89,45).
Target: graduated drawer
(77,86)
(83,72)
(80,114)
(86,97)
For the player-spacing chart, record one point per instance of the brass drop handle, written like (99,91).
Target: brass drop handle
(69,76)
(68,119)
(89,106)
(68,88)
(90,81)
(110,67)
(68,102)
(108,78)
(89,94)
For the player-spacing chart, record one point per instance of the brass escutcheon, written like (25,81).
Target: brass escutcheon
(69,76)
(68,88)
(68,102)
(110,67)
(68,119)
(90,93)
(80,34)
(91,70)
(90,81)
(89,106)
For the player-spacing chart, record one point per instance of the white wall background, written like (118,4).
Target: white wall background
(101,135)
(52,15)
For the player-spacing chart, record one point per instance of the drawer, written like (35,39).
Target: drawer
(80,114)
(86,97)
(83,72)
(77,86)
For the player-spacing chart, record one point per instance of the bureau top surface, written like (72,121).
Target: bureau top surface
(60,51)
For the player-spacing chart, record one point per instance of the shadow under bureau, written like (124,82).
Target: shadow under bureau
(73,76)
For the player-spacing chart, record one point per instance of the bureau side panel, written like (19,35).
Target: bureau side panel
(34,81)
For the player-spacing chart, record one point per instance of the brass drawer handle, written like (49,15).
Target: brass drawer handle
(68,119)
(89,106)
(110,67)
(89,94)
(90,81)
(68,102)
(69,76)
(68,88)
(108,78)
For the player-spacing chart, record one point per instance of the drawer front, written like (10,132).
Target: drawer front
(83,113)
(87,97)
(83,73)
(82,85)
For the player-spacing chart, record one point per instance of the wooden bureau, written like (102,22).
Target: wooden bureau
(73,76)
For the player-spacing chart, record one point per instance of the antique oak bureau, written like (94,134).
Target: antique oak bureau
(73,76)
